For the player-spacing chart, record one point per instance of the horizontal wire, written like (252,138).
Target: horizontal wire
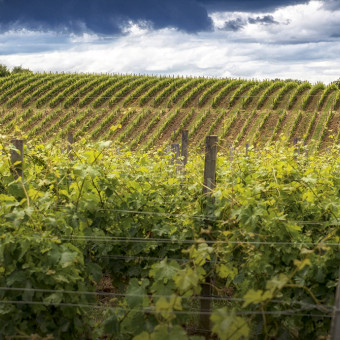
(112,294)
(204,217)
(153,311)
(197,329)
(176,241)
(199,217)
(201,297)
(157,213)
(143,258)
(122,257)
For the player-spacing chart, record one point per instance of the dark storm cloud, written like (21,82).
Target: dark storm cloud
(265,20)
(109,16)
(332,5)
(102,16)
(249,5)
(233,25)
(238,23)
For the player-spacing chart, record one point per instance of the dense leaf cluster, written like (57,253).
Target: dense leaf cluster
(142,222)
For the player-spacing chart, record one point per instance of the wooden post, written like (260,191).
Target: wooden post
(335,325)
(17,156)
(184,149)
(208,185)
(69,145)
(210,164)
(247,150)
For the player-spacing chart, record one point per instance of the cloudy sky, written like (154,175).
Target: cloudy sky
(222,38)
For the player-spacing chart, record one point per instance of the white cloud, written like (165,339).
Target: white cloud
(301,46)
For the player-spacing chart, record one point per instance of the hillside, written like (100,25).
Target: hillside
(153,110)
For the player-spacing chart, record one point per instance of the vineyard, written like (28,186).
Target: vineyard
(151,111)
(168,208)
(98,242)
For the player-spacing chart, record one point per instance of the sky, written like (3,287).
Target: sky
(253,39)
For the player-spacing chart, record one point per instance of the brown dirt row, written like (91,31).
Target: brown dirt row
(98,122)
(286,122)
(46,112)
(302,126)
(154,128)
(268,103)
(73,117)
(313,105)
(235,129)
(253,103)
(311,134)
(250,138)
(332,130)
(204,128)
(209,99)
(329,100)
(135,102)
(238,102)
(228,114)
(298,103)
(225,101)
(220,125)
(285,100)
(143,125)
(166,135)
(249,128)
(267,131)
(56,121)
(105,129)
(50,123)
(137,128)
(189,123)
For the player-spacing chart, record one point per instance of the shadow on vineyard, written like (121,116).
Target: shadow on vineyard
(99,242)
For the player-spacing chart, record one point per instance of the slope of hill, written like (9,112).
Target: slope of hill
(153,110)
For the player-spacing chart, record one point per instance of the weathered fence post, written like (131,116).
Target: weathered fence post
(184,149)
(208,185)
(17,158)
(335,325)
(210,165)
(184,153)
(69,145)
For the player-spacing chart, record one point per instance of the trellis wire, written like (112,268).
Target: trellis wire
(290,312)
(176,241)
(214,298)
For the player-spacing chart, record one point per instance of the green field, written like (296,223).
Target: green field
(153,110)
